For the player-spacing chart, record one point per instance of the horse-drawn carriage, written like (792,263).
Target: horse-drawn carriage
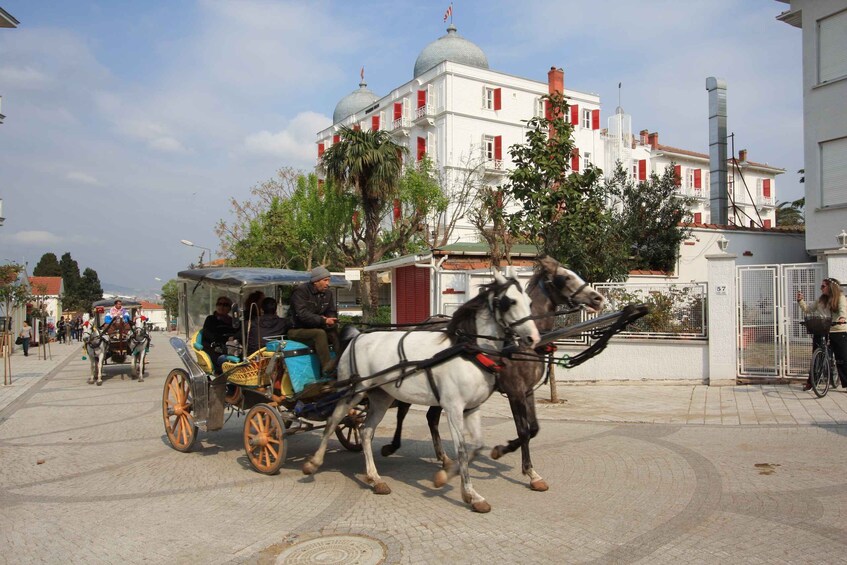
(450,366)
(107,339)
(279,386)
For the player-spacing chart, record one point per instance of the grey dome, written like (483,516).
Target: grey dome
(354,102)
(451,47)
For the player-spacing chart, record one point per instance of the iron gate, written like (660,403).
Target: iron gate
(771,341)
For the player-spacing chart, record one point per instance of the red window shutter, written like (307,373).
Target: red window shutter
(320,149)
(421,147)
(575,115)
(498,100)
(374,123)
(498,148)
(642,169)
(698,218)
(595,119)
(400,156)
(336,139)
(766,188)
(412,294)
(698,178)
(677,175)
(396,210)
(767,223)
(575,159)
(421,98)
(357,127)
(398,110)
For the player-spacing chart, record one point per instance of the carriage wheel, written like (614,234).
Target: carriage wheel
(264,439)
(348,431)
(177,406)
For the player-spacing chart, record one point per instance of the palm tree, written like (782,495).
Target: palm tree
(369,164)
(790,213)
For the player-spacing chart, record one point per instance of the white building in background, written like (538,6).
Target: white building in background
(461,114)
(824,44)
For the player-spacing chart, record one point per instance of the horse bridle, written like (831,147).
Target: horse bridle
(559,282)
(499,306)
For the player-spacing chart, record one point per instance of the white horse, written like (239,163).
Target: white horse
(417,368)
(96,344)
(138,344)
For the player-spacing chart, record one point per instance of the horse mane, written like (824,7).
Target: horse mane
(463,323)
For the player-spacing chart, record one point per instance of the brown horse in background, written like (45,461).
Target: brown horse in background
(550,287)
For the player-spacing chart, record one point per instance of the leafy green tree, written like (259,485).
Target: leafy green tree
(170,299)
(70,276)
(650,218)
(88,290)
(564,212)
(368,164)
(48,266)
(791,213)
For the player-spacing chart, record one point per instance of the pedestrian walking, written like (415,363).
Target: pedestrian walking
(26,337)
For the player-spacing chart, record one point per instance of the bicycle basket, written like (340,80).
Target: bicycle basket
(817,324)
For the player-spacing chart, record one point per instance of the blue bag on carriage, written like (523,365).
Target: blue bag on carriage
(303,369)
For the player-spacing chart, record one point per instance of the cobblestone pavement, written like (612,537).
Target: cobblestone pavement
(638,474)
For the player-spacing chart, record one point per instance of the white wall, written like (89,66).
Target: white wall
(641,360)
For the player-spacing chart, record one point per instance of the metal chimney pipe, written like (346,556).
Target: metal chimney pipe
(718,195)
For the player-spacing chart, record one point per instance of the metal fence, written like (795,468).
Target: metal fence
(677,310)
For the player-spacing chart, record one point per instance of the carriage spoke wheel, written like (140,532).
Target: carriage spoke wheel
(264,439)
(177,406)
(349,430)
(820,373)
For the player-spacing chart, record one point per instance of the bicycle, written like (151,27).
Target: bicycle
(822,373)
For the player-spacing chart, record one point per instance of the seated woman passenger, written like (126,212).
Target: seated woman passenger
(268,324)
(216,329)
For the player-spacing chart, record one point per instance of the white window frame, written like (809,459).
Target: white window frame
(488,147)
(539,108)
(833,167)
(832,47)
(586,158)
(586,118)
(488,98)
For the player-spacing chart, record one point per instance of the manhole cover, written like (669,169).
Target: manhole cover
(347,550)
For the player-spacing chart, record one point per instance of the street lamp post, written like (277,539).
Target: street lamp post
(192,244)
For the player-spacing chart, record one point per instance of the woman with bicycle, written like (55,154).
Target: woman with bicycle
(831,303)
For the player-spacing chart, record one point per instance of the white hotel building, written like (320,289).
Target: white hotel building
(459,112)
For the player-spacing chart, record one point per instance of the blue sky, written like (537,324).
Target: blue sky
(129,125)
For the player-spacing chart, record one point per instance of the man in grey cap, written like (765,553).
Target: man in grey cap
(314,317)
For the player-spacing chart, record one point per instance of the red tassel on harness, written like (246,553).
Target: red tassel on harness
(488,363)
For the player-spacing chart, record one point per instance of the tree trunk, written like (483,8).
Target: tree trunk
(551,369)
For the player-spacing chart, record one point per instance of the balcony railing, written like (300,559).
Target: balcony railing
(401,123)
(494,165)
(426,111)
(766,201)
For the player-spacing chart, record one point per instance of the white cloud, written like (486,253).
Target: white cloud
(296,143)
(23,77)
(156,135)
(36,237)
(83,178)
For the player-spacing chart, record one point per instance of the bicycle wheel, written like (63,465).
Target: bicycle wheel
(820,372)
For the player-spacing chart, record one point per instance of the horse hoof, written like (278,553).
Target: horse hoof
(497,453)
(440,478)
(540,485)
(99,383)
(141,379)
(91,381)
(382,488)
(309,468)
(481,507)
(387,450)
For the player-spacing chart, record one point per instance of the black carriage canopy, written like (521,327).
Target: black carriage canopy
(255,276)
(128,304)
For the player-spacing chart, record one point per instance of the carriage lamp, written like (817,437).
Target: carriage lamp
(723,243)
(842,240)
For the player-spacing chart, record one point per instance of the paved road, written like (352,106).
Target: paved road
(736,475)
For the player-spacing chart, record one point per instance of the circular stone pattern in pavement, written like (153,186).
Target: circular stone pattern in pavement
(329,550)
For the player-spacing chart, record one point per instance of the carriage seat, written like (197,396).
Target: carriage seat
(203,358)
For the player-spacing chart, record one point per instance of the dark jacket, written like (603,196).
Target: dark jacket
(264,326)
(309,307)
(215,333)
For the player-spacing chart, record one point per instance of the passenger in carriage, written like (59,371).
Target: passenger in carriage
(314,317)
(253,306)
(217,328)
(267,325)
(118,312)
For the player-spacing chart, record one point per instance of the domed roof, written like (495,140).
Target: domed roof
(354,102)
(451,47)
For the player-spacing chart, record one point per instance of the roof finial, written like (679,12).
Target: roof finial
(362,77)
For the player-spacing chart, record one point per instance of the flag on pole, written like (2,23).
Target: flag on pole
(362,73)
(449,12)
